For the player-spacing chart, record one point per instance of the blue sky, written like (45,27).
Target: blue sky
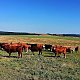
(41,16)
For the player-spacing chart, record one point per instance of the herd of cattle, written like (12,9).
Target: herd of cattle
(19,47)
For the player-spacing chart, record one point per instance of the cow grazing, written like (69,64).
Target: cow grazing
(9,48)
(36,48)
(58,50)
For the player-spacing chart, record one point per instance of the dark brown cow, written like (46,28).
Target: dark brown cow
(58,50)
(36,48)
(9,48)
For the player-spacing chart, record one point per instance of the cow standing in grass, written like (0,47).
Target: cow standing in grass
(48,47)
(58,50)
(36,48)
(25,47)
(13,47)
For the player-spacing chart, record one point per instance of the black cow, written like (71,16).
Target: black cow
(48,47)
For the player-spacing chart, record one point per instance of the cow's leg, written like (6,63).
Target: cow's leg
(55,54)
(59,54)
(64,55)
(9,54)
(71,51)
(50,49)
(39,52)
(26,50)
(21,54)
(18,55)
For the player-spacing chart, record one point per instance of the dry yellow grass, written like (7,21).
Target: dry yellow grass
(46,40)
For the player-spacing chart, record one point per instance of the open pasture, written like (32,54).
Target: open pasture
(40,67)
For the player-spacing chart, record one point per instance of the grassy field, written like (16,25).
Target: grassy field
(40,67)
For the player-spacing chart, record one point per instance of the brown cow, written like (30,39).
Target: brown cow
(26,47)
(58,50)
(9,48)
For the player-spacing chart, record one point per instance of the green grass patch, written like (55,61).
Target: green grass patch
(39,67)
(49,36)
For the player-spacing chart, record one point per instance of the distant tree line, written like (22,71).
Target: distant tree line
(24,33)
(73,35)
(16,33)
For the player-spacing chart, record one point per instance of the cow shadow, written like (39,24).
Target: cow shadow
(48,56)
(52,56)
(9,57)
